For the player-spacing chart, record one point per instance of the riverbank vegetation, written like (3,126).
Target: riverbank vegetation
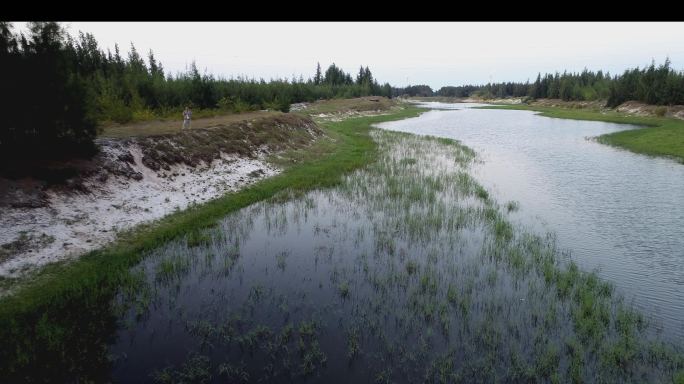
(658,85)
(660,137)
(38,318)
(432,281)
(404,270)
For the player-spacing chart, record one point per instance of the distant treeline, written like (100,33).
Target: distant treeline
(58,88)
(652,85)
(413,90)
(586,85)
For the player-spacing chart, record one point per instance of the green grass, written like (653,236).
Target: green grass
(360,104)
(173,123)
(89,284)
(579,330)
(661,136)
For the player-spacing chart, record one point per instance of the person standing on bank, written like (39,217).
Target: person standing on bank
(187,115)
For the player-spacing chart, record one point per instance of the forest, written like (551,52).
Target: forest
(64,87)
(659,85)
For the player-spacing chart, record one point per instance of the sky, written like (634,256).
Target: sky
(436,54)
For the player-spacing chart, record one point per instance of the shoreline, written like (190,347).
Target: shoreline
(602,330)
(72,224)
(660,136)
(136,180)
(321,163)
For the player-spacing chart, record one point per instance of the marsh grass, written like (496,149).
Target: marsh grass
(344,290)
(195,370)
(67,294)
(411,261)
(512,206)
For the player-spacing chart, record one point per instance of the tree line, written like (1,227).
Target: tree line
(58,89)
(660,85)
(413,90)
(61,87)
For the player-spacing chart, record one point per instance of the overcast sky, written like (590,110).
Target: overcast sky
(435,54)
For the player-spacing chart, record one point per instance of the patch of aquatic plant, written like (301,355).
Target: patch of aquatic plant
(289,352)
(135,292)
(173,267)
(344,290)
(198,238)
(197,369)
(76,298)
(512,206)
(407,161)
(411,267)
(433,284)
(234,373)
(281,260)
(353,344)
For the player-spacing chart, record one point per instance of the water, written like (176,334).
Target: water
(616,211)
(403,273)
(372,291)
(407,271)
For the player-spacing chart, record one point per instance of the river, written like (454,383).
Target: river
(415,268)
(615,211)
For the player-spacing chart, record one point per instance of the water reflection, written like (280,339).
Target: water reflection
(406,272)
(618,212)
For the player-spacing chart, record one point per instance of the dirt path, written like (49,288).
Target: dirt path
(162,127)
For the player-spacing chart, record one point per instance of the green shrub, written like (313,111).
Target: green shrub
(679,377)
(144,114)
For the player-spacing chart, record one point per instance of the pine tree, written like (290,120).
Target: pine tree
(537,88)
(155,69)
(50,104)
(360,76)
(118,61)
(319,77)
(368,77)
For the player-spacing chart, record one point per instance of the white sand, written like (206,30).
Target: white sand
(340,116)
(83,222)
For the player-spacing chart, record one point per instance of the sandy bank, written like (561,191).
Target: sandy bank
(133,181)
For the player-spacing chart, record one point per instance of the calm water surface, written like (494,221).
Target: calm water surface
(388,278)
(616,211)
(406,272)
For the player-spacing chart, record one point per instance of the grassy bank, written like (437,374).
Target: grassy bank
(422,275)
(35,320)
(660,137)
(440,286)
(160,126)
(361,104)
(171,122)
(168,122)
